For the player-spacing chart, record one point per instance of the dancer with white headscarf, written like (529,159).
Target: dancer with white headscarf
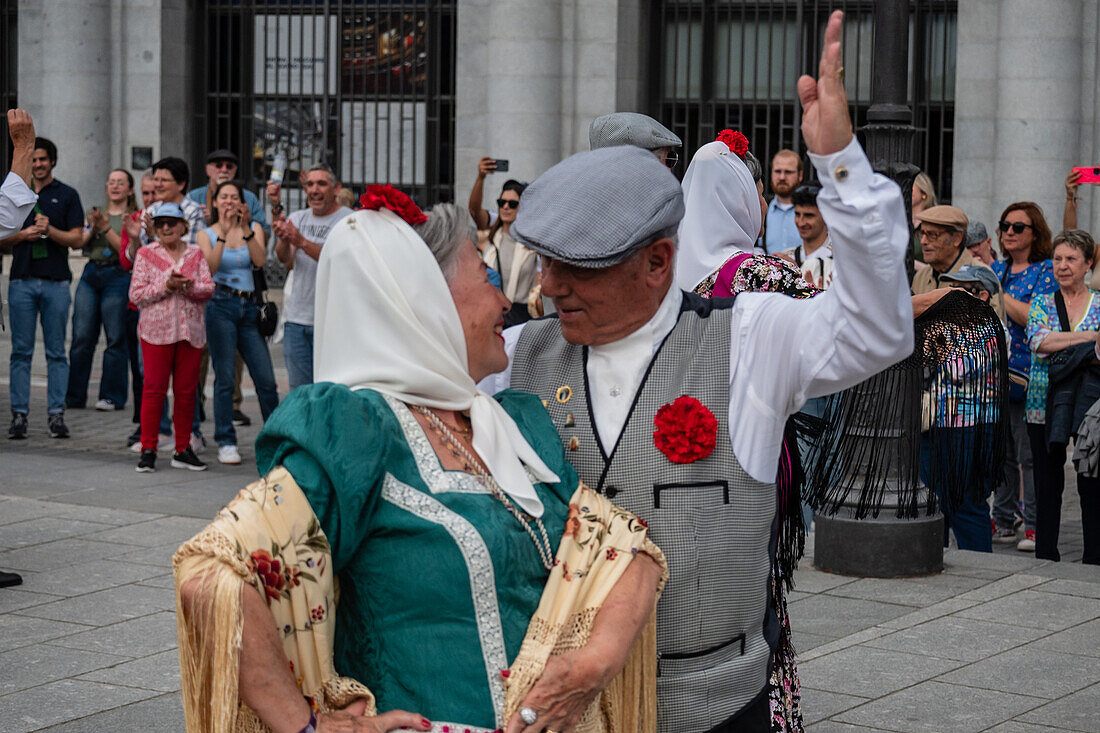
(473,567)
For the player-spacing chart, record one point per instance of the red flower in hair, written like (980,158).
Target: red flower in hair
(686,430)
(379,196)
(735,141)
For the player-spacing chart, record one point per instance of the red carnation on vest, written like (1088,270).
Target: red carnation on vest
(384,196)
(686,430)
(735,141)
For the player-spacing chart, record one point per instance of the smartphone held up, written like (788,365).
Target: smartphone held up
(1088,174)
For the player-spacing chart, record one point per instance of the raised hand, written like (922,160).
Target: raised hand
(21,129)
(826,124)
(485,166)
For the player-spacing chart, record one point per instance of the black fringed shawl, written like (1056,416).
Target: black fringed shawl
(956,377)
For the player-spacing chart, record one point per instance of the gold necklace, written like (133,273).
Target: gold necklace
(472,465)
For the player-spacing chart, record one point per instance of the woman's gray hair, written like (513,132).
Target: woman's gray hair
(754,167)
(1079,239)
(448,228)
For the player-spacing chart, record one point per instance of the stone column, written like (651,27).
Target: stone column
(65,83)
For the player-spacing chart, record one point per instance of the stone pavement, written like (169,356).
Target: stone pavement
(999,642)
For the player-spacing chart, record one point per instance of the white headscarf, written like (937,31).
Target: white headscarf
(385,320)
(721,214)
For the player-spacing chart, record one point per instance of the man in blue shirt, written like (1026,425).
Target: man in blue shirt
(39,290)
(780,232)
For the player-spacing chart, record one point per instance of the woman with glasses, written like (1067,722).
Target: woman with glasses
(1062,333)
(517,265)
(1024,272)
(170,285)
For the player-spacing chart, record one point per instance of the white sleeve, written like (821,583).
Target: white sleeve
(785,351)
(501,380)
(16,202)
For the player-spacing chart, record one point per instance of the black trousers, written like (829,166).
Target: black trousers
(1048,462)
(756,717)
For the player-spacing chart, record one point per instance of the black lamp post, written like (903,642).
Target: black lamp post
(885,546)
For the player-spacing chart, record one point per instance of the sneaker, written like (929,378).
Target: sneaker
(240,419)
(1027,544)
(164,442)
(57,425)
(134,441)
(148,462)
(228,454)
(1004,536)
(18,429)
(198,443)
(106,405)
(186,458)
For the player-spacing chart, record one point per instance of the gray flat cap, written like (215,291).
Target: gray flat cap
(976,233)
(630,128)
(594,209)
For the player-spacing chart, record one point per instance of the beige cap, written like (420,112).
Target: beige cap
(945,216)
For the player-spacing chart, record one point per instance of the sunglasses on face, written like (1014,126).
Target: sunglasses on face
(164,223)
(1017,227)
(672,157)
(224,164)
(507,204)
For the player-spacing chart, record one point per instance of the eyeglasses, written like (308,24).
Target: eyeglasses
(672,157)
(932,235)
(508,203)
(164,223)
(227,164)
(1017,227)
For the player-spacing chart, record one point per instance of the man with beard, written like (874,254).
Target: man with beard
(298,246)
(780,231)
(674,406)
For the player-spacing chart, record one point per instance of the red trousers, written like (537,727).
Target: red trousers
(180,361)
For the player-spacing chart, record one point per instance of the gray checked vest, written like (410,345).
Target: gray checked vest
(712,520)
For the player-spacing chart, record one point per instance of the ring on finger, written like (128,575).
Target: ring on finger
(528,716)
(840,73)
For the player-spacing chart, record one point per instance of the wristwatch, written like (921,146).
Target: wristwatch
(250,236)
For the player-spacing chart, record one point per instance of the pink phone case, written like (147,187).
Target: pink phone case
(1089,174)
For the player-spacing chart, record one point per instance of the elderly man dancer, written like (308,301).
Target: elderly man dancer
(674,406)
(641,131)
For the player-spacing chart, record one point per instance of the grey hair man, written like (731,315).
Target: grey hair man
(629,352)
(299,238)
(641,131)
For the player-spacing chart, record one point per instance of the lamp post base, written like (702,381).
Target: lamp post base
(882,547)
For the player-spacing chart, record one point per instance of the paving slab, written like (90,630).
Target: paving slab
(1037,672)
(160,555)
(47,556)
(804,641)
(1004,587)
(163,714)
(957,709)
(954,637)
(57,702)
(156,672)
(1081,639)
(835,617)
(106,607)
(908,591)
(14,598)
(922,615)
(20,510)
(820,704)
(1072,587)
(154,533)
(834,726)
(1015,726)
(88,577)
(20,631)
(1079,711)
(870,673)
(810,580)
(43,663)
(136,638)
(1049,611)
(45,529)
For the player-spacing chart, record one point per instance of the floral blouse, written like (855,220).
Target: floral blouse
(1042,320)
(1036,279)
(168,317)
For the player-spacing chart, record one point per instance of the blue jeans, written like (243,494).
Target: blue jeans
(950,458)
(231,327)
(29,300)
(101,298)
(298,351)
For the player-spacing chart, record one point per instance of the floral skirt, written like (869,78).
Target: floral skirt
(784,689)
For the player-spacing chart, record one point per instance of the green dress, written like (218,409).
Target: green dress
(437,580)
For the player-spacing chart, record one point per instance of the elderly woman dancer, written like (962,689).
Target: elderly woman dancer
(480,585)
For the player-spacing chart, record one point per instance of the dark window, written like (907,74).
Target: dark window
(734,64)
(365,87)
(9,55)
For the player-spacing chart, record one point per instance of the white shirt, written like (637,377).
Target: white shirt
(192,211)
(817,266)
(16,202)
(298,306)
(864,324)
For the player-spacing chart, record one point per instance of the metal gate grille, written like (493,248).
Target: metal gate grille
(9,56)
(734,64)
(366,87)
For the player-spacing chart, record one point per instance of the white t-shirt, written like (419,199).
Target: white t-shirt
(299,306)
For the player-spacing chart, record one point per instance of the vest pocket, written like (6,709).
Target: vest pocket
(691,495)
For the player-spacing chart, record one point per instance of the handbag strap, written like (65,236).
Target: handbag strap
(1063,315)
